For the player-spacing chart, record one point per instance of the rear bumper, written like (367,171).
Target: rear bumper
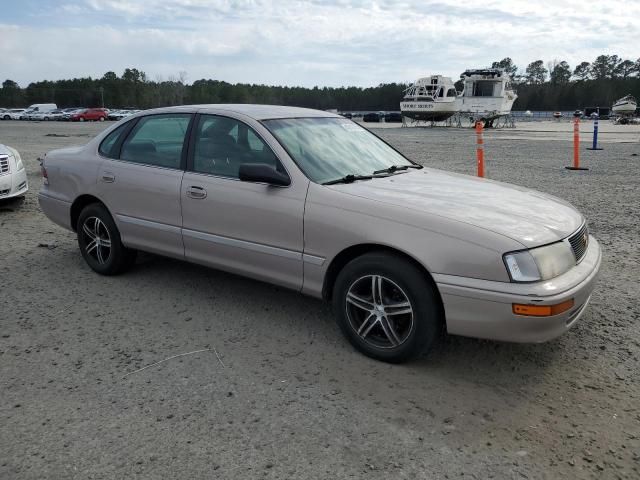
(58,211)
(483,309)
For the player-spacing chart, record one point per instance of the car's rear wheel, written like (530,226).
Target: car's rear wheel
(102,119)
(386,307)
(99,242)
(81,119)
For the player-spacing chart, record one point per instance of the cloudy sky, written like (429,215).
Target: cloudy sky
(315,42)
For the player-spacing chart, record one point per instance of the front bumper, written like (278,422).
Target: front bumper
(483,309)
(13,184)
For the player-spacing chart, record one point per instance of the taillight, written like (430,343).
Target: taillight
(43,170)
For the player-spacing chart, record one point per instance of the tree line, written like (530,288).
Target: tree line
(133,89)
(557,86)
(551,86)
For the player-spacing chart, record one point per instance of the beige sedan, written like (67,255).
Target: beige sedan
(313,202)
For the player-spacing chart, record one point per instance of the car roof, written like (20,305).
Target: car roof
(257,112)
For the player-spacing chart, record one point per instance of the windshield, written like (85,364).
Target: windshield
(328,149)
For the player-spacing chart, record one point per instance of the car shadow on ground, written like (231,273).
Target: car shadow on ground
(509,365)
(11,204)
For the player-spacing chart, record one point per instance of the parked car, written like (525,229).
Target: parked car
(312,201)
(120,114)
(27,114)
(371,117)
(46,116)
(393,117)
(89,114)
(13,175)
(55,114)
(13,113)
(42,107)
(114,114)
(68,112)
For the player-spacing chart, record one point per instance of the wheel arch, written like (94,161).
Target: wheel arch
(78,205)
(345,256)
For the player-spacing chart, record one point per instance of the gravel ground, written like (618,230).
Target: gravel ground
(279,393)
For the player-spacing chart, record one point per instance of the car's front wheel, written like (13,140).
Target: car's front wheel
(386,307)
(99,242)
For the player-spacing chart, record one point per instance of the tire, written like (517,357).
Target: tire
(81,119)
(392,334)
(106,259)
(6,117)
(102,119)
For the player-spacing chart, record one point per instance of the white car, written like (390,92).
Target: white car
(13,113)
(27,114)
(13,175)
(120,114)
(39,116)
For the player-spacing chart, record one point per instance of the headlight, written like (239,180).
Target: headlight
(17,158)
(540,263)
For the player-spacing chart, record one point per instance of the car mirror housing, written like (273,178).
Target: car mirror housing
(261,172)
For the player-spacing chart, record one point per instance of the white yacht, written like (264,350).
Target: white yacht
(430,99)
(487,94)
(625,106)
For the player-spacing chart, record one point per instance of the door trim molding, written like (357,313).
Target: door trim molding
(312,259)
(233,242)
(226,241)
(149,224)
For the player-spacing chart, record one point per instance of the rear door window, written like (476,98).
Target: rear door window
(157,140)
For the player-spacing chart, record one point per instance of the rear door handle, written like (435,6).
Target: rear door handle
(108,177)
(196,192)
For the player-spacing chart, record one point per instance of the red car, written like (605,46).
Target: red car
(99,114)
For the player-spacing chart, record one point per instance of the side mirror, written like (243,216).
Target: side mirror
(261,172)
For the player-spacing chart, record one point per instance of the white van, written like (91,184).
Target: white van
(42,107)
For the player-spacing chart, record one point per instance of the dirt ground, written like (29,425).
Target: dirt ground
(278,392)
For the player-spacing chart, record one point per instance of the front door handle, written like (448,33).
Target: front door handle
(108,177)
(196,192)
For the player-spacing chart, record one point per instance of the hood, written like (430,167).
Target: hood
(529,217)
(4,150)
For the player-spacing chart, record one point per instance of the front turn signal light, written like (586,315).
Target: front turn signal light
(542,310)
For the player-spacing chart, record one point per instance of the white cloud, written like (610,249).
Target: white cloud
(335,42)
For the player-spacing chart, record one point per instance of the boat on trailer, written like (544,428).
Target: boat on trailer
(487,94)
(432,98)
(625,106)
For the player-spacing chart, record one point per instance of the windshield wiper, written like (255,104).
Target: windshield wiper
(348,179)
(396,168)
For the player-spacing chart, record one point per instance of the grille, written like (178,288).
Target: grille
(579,242)
(4,165)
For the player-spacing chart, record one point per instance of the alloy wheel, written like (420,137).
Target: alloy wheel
(97,240)
(379,311)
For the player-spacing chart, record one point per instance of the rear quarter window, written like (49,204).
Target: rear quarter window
(107,147)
